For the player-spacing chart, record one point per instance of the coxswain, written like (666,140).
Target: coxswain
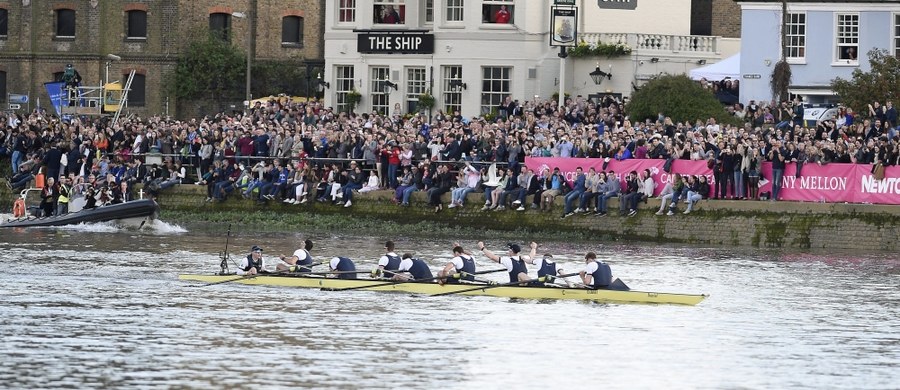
(596,274)
(343,267)
(388,262)
(253,263)
(462,263)
(417,269)
(297,261)
(514,264)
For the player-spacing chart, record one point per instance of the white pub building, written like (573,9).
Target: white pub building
(471,54)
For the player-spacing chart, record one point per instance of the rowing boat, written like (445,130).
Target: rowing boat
(434,288)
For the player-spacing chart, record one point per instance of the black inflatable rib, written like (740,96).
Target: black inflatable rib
(134,209)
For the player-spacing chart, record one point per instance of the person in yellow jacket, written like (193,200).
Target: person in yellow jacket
(65,192)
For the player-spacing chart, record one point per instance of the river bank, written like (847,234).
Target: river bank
(714,222)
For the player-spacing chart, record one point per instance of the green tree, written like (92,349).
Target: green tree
(212,69)
(881,83)
(272,77)
(677,97)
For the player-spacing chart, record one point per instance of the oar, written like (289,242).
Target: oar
(540,279)
(454,276)
(244,277)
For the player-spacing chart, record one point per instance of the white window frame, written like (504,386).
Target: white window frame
(454,11)
(451,99)
(840,41)
(381,102)
(397,4)
(895,42)
(343,84)
(416,85)
(492,95)
(428,12)
(796,37)
(346,7)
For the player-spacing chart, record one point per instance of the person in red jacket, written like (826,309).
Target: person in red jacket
(502,15)
(392,151)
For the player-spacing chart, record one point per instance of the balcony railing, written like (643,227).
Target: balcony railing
(658,42)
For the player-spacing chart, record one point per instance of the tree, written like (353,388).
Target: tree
(677,97)
(211,68)
(880,84)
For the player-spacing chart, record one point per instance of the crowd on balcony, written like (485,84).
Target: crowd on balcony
(302,152)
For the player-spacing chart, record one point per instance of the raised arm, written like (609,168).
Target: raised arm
(487,253)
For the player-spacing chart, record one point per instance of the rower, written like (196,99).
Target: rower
(461,262)
(546,264)
(389,262)
(253,263)
(417,268)
(295,262)
(513,263)
(343,265)
(596,274)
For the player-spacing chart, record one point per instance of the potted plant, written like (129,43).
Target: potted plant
(353,98)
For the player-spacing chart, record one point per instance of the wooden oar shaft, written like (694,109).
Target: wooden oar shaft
(541,279)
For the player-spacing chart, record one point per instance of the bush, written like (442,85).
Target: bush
(677,97)
(210,68)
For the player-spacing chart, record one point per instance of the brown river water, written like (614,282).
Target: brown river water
(101,307)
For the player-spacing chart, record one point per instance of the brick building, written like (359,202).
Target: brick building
(39,37)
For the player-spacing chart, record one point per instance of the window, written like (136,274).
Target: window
(454,12)
(848,37)
(897,35)
(4,23)
(343,81)
(795,34)
(415,87)
(2,86)
(347,11)
(137,92)
(452,95)
(497,11)
(292,31)
(58,76)
(380,101)
(429,11)
(65,23)
(219,24)
(389,12)
(494,87)
(137,24)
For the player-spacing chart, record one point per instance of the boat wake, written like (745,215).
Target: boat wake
(164,227)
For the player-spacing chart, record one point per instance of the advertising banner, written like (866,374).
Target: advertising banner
(55,90)
(832,183)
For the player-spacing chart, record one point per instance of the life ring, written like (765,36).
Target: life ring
(19,208)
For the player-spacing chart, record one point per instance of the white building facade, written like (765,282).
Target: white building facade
(471,54)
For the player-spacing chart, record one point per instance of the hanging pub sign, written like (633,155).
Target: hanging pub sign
(563,26)
(617,4)
(403,42)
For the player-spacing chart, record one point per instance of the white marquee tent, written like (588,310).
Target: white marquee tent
(729,67)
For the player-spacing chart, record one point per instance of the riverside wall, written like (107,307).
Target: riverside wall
(760,224)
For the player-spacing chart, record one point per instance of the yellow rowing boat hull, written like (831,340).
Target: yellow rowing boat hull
(434,288)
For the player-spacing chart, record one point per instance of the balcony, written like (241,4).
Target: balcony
(659,43)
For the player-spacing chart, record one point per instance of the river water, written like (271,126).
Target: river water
(95,306)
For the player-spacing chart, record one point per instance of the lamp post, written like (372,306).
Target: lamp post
(242,15)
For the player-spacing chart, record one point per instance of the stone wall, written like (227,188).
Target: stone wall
(718,223)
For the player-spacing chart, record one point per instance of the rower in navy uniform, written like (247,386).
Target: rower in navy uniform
(253,263)
(546,265)
(343,265)
(462,263)
(598,275)
(417,269)
(387,263)
(297,261)
(514,264)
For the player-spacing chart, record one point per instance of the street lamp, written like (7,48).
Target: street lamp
(322,85)
(598,75)
(242,15)
(386,86)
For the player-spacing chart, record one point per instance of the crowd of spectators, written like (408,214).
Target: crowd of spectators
(296,152)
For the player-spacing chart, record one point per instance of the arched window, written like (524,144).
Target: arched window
(292,30)
(137,24)
(219,24)
(65,23)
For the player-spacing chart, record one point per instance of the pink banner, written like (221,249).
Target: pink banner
(853,183)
